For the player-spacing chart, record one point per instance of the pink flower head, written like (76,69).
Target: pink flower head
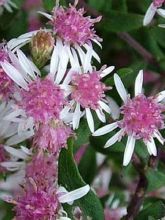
(43,101)
(43,170)
(88,89)
(158,3)
(52,136)
(6,85)
(141,117)
(72,26)
(37,204)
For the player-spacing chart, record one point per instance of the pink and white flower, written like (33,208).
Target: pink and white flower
(87,93)
(152,10)
(142,119)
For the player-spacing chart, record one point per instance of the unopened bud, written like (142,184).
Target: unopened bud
(41,47)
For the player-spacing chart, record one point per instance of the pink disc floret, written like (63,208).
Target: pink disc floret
(72,26)
(43,170)
(142,116)
(37,204)
(88,90)
(55,137)
(43,101)
(6,86)
(158,3)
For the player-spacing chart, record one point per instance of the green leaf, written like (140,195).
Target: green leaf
(70,178)
(124,73)
(86,170)
(49,4)
(156,210)
(156,179)
(122,22)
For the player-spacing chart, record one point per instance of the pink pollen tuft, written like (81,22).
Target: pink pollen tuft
(52,136)
(142,117)
(158,3)
(38,205)
(71,25)
(43,101)
(6,86)
(43,170)
(88,89)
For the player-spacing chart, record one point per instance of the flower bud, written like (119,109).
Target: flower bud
(41,47)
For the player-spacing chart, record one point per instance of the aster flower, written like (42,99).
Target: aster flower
(151,11)
(36,203)
(87,93)
(142,119)
(55,137)
(73,31)
(8,5)
(39,100)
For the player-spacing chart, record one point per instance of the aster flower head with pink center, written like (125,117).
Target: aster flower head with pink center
(142,119)
(87,93)
(152,10)
(36,203)
(39,98)
(55,137)
(42,169)
(43,101)
(72,26)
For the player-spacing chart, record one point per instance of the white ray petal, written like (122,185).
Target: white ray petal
(100,115)
(114,139)
(107,71)
(74,195)
(63,62)
(27,65)
(12,166)
(152,147)
(97,42)
(162,25)
(87,61)
(160,96)
(14,75)
(120,88)
(129,150)
(139,83)
(149,14)
(106,129)
(158,135)
(161,12)
(54,62)
(19,138)
(46,15)
(76,117)
(105,107)
(16,152)
(90,119)
(115,110)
